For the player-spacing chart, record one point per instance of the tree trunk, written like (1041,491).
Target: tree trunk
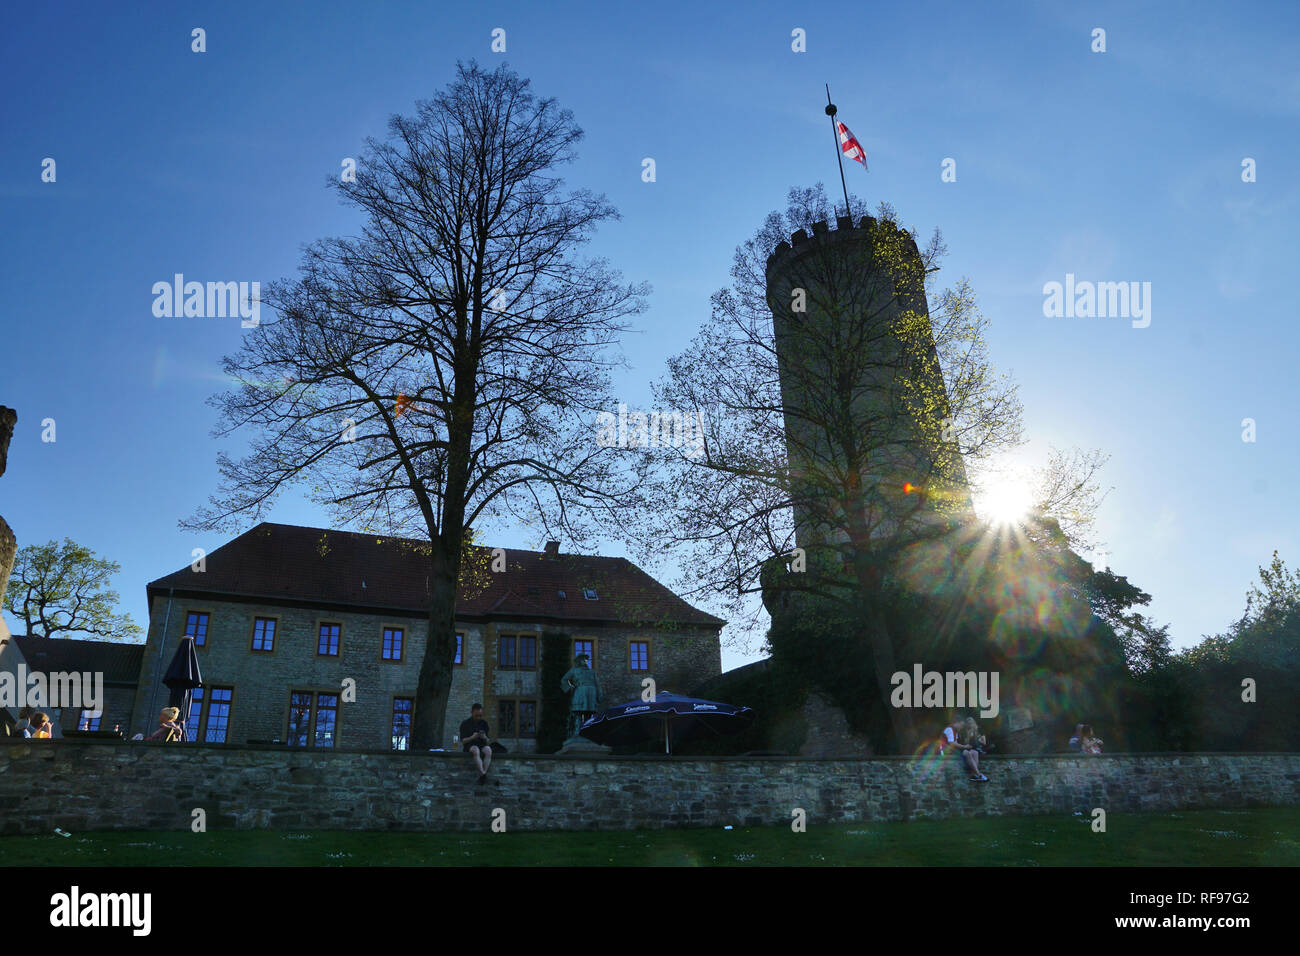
(882,652)
(881,643)
(428,722)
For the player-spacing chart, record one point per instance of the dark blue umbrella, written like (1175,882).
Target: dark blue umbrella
(182,677)
(671,715)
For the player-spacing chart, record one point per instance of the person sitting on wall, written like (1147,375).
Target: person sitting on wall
(952,735)
(974,742)
(976,739)
(1089,744)
(169,730)
(474,741)
(41,726)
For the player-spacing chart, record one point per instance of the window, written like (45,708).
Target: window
(506,651)
(460,648)
(264,634)
(299,718)
(217,721)
(560,594)
(392,644)
(328,644)
(89,719)
(517,651)
(403,707)
(209,718)
(517,718)
(638,655)
(196,626)
(527,652)
(528,718)
(327,716)
(588,647)
(590,594)
(313,718)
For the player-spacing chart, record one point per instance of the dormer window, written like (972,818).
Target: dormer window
(590,594)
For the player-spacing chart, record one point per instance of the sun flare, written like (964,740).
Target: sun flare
(1004,502)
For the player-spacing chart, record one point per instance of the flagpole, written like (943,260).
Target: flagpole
(839,152)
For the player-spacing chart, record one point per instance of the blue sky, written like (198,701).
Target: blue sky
(1115,166)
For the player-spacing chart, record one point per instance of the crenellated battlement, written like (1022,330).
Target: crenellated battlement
(844,231)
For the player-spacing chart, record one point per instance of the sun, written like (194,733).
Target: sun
(1004,501)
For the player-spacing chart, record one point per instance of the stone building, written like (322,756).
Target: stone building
(113,667)
(286,618)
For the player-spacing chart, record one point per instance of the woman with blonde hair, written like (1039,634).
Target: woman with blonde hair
(958,733)
(1089,744)
(975,737)
(169,729)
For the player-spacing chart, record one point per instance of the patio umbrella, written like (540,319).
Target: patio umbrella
(668,715)
(181,678)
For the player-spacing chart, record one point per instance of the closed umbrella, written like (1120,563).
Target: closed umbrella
(669,715)
(181,679)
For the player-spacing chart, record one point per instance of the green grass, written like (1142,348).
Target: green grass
(1266,837)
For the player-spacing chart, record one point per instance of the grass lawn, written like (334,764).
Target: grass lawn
(1266,837)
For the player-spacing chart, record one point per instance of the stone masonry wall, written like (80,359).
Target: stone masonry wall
(106,785)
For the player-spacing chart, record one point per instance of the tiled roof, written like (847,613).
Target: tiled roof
(119,663)
(291,563)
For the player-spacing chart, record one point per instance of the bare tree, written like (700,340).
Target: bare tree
(842,427)
(444,368)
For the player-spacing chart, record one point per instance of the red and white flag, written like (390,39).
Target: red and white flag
(850,146)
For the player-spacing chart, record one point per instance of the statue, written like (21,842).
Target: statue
(587,697)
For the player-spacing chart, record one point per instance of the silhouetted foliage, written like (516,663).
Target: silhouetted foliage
(552,724)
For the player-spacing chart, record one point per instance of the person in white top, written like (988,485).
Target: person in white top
(952,738)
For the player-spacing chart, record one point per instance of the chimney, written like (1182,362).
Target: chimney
(552,549)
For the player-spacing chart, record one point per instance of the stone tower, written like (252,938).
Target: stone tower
(866,413)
